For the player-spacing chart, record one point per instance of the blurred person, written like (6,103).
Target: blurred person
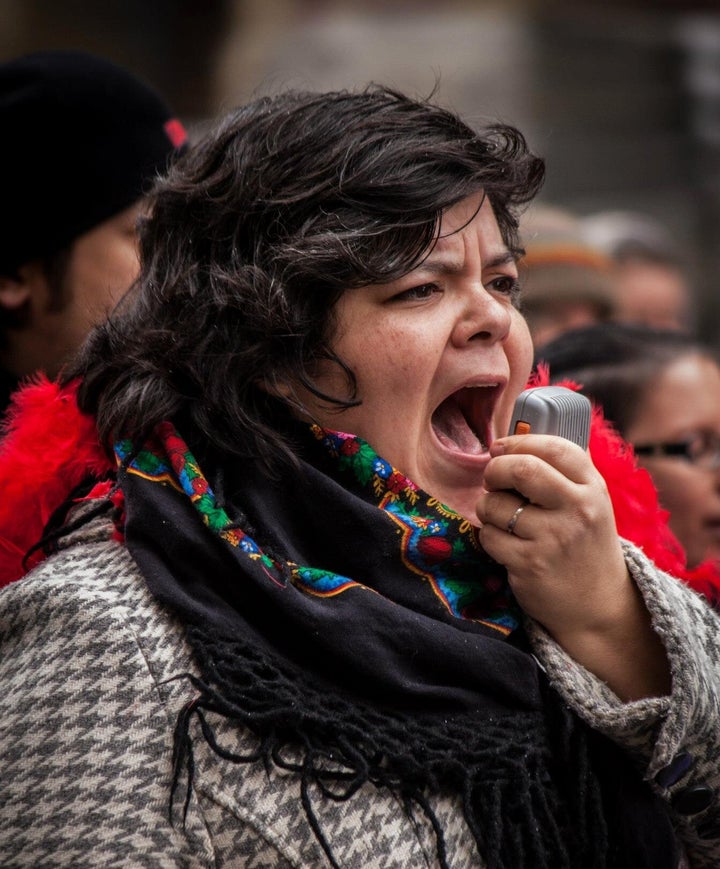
(661,390)
(82,141)
(304,603)
(566,282)
(652,286)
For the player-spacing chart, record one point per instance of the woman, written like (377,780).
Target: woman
(347,622)
(661,389)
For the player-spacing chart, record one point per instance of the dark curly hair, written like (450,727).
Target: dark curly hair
(617,364)
(253,237)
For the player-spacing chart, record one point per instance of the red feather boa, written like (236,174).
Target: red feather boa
(638,514)
(49,447)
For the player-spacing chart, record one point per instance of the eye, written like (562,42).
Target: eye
(417,294)
(507,285)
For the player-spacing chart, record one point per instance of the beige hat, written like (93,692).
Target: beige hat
(560,266)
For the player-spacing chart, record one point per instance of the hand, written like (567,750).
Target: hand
(565,561)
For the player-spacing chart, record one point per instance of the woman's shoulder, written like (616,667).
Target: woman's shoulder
(90,593)
(89,669)
(89,561)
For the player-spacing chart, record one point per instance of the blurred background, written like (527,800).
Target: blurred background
(622,98)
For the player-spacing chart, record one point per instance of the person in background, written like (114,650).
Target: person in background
(661,390)
(652,285)
(82,141)
(566,282)
(305,603)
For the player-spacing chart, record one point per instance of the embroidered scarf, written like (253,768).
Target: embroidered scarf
(346,613)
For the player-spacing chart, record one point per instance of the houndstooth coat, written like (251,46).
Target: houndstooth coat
(89,667)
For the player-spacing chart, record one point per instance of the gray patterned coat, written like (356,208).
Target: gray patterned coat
(87,660)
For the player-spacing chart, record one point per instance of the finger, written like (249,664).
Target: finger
(501,509)
(513,520)
(529,477)
(565,456)
(514,550)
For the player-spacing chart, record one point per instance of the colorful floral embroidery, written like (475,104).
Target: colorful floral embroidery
(445,553)
(436,543)
(165,458)
(358,457)
(148,462)
(322,583)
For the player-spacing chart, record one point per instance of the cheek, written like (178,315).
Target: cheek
(681,492)
(101,279)
(123,265)
(519,351)
(384,361)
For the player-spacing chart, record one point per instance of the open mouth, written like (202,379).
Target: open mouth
(462,421)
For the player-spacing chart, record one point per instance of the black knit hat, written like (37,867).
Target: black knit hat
(82,139)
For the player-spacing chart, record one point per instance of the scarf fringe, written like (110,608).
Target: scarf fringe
(511,808)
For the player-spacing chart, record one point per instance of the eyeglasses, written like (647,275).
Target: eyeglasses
(701,449)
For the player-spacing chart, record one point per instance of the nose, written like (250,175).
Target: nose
(481,317)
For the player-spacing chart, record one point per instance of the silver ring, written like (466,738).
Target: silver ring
(514,518)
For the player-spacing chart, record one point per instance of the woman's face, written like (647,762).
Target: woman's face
(684,401)
(439,356)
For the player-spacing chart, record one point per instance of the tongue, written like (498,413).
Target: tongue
(453,431)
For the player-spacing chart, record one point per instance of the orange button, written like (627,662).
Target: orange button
(522,427)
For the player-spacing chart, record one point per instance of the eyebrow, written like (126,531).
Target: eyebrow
(444,267)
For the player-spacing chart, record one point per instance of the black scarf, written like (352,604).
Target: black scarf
(347,613)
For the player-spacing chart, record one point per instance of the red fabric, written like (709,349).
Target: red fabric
(638,514)
(50,447)
(175,132)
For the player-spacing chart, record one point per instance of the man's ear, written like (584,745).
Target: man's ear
(14,292)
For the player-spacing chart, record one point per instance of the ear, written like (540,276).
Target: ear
(14,292)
